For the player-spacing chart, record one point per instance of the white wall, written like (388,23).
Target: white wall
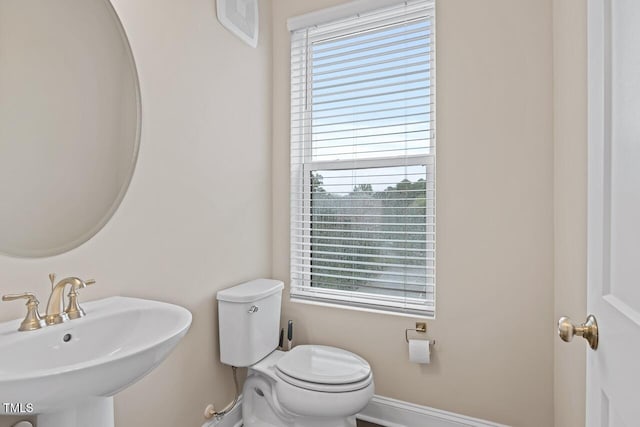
(495,326)
(197,216)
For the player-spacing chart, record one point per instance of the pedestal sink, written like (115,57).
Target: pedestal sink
(68,373)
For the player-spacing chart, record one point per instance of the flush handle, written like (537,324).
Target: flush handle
(253,309)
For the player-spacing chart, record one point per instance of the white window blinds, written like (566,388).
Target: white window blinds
(363,160)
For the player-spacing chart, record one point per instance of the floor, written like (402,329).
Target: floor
(367,424)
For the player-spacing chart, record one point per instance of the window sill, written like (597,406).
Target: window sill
(429,315)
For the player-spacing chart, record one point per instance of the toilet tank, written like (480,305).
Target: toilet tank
(249,321)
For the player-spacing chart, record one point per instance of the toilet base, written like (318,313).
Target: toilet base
(259,409)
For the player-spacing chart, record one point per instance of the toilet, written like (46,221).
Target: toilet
(308,386)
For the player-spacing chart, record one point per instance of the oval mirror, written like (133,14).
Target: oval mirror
(69,122)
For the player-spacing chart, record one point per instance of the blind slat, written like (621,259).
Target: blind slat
(399,46)
(373,281)
(392,103)
(366,66)
(378,215)
(429,288)
(419,27)
(370,297)
(362,82)
(328,230)
(369,224)
(300,151)
(375,95)
(356,262)
(371,56)
(387,249)
(301,124)
(367,120)
(315,268)
(413,292)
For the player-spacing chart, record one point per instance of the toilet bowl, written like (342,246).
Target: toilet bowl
(309,386)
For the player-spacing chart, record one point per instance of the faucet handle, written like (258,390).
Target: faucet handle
(73,309)
(32,320)
(26,295)
(83,284)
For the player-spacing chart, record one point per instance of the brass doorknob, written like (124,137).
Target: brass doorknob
(588,330)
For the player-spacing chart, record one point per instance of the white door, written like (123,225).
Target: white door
(613,370)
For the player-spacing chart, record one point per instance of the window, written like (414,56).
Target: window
(363,160)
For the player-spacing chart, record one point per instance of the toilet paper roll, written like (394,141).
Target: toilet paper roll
(419,351)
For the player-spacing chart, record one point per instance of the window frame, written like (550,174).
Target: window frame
(301,212)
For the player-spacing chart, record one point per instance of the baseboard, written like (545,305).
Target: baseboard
(386,412)
(395,413)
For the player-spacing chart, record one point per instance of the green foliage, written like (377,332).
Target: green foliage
(365,233)
(316,183)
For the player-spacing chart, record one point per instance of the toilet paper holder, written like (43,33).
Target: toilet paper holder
(420,327)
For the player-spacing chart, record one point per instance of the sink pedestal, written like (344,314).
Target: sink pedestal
(94,412)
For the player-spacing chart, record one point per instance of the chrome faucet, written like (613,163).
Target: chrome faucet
(55,310)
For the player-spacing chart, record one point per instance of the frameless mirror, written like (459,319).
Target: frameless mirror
(69,122)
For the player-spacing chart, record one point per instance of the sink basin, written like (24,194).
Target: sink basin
(79,363)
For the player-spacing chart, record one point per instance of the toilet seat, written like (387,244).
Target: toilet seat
(325,388)
(324,368)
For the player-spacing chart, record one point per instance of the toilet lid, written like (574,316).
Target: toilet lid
(324,365)
(326,388)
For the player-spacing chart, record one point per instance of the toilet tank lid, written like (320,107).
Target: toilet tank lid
(253,290)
